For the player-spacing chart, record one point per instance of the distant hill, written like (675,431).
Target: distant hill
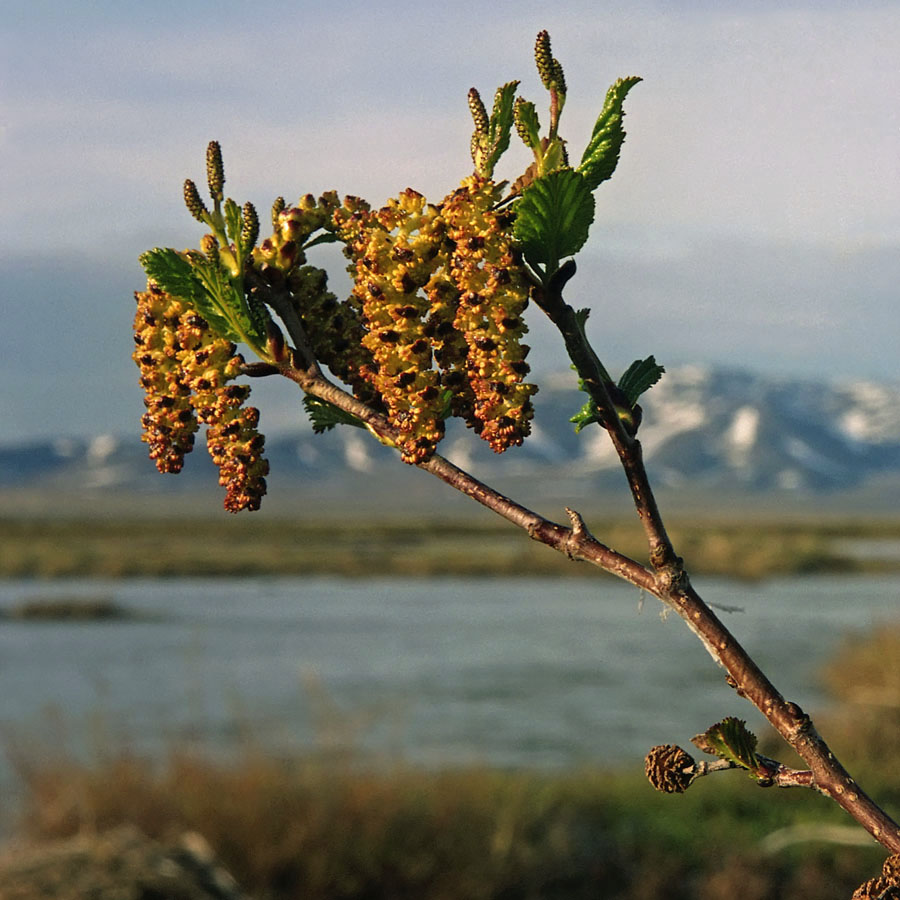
(706,429)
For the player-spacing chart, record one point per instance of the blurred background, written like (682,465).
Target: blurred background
(367,688)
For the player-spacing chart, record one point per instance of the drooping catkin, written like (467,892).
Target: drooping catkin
(493,293)
(185,373)
(394,252)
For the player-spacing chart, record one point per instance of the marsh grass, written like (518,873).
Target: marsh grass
(325,827)
(57,548)
(291,829)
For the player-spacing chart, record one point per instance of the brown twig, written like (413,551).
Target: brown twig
(672,586)
(591,372)
(667,580)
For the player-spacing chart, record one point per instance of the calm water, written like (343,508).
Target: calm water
(536,673)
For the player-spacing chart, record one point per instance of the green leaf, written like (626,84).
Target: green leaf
(553,218)
(173,273)
(326,237)
(587,415)
(201,284)
(324,415)
(234,222)
(227,294)
(730,740)
(602,153)
(501,122)
(528,125)
(640,376)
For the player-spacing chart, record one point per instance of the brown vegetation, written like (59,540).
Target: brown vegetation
(56,548)
(327,830)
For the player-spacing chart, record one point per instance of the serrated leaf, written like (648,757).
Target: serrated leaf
(553,218)
(173,273)
(730,740)
(234,222)
(501,122)
(324,415)
(326,237)
(527,121)
(201,284)
(602,153)
(640,376)
(224,305)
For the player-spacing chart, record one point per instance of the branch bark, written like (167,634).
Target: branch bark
(667,580)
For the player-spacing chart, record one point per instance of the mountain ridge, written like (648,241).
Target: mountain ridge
(704,427)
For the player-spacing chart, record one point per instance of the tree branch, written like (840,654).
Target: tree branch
(667,581)
(672,586)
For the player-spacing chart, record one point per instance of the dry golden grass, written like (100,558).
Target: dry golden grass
(51,548)
(324,828)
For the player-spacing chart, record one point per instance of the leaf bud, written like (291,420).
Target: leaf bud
(275,341)
(258,369)
(194,202)
(215,170)
(210,246)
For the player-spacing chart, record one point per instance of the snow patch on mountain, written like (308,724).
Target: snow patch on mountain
(708,427)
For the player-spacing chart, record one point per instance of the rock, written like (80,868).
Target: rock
(122,864)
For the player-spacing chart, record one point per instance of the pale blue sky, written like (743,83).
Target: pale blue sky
(754,219)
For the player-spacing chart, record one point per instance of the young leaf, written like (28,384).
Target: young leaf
(528,125)
(640,376)
(172,272)
(501,122)
(553,218)
(233,221)
(326,237)
(177,276)
(324,415)
(587,415)
(602,153)
(730,740)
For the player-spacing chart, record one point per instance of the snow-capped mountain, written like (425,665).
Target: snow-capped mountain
(704,427)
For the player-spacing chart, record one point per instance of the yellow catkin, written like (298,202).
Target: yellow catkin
(293,226)
(493,294)
(209,363)
(334,330)
(185,372)
(394,252)
(170,423)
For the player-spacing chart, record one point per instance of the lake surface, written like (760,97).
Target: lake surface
(536,673)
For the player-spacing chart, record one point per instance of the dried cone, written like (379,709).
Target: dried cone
(665,767)
(394,253)
(488,272)
(169,425)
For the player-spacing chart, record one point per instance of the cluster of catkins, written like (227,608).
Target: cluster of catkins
(185,373)
(433,326)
